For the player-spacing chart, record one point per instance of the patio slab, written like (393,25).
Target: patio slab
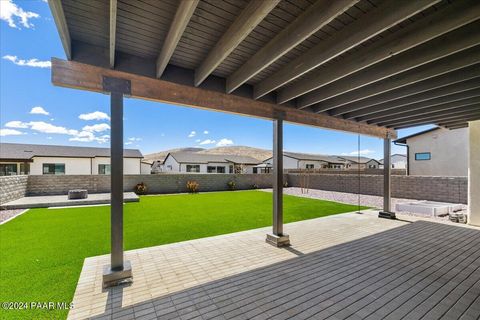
(62,201)
(343,266)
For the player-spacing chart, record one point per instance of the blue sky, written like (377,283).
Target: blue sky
(35,111)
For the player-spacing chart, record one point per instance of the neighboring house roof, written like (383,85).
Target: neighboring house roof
(356,159)
(312,157)
(404,139)
(194,157)
(396,156)
(28,151)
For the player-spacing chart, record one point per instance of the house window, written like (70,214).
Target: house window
(104,169)
(423,156)
(220,169)
(193,168)
(54,168)
(8,169)
(255,170)
(211,169)
(230,169)
(24,168)
(309,166)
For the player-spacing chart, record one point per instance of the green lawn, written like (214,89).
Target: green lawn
(42,251)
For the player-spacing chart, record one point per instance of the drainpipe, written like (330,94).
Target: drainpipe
(408,154)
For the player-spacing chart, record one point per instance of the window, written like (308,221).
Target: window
(193,168)
(255,170)
(211,169)
(104,169)
(8,169)
(230,169)
(423,156)
(24,168)
(220,169)
(53,168)
(310,166)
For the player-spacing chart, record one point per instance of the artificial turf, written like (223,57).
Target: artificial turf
(42,251)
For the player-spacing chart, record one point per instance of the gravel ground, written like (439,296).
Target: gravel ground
(7,214)
(352,198)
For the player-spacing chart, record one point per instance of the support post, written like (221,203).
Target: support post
(119,271)
(277,237)
(387,213)
(474,173)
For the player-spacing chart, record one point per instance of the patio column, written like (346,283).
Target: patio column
(277,237)
(474,173)
(119,271)
(387,213)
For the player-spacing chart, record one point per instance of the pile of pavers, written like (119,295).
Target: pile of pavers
(459,217)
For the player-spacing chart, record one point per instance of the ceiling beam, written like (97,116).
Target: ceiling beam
(436,68)
(407,111)
(180,21)
(457,126)
(454,124)
(313,19)
(371,24)
(436,119)
(394,47)
(413,89)
(246,21)
(113,29)
(433,115)
(88,77)
(461,119)
(417,98)
(62,27)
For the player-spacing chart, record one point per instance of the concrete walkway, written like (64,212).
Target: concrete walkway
(62,201)
(343,266)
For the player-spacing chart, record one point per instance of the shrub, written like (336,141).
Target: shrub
(285,184)
(141,188)
(231,185)
(255,186)
(192,186)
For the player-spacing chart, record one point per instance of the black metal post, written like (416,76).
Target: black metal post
(278,238)
(387,212)
(119,270)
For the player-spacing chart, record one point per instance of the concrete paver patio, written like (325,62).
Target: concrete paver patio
(353,266)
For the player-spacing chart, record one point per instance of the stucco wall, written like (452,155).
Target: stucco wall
(12,187)
(72,165)
(449,153)
(130,165)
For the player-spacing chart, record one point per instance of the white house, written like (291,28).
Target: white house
(397,161)
(193,162)
(437,152)
(295,160)
(37,159)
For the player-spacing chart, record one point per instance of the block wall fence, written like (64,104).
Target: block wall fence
(448,189)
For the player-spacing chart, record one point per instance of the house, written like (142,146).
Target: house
(181,162)
(295,160)
(437,152)
(35,159)
(397,161)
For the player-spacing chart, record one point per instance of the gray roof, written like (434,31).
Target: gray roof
(355,159)
(28,151)
(314,157)
(193,157)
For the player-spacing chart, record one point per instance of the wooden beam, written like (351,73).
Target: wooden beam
(62,27)
(430,70)
(475,114)
(413,89)
(443,46)
(113,31)
(435,95)
(246,21)
(416,34)
(313,19)
(87,77)
(407,111)
(456,126)
(180,21)
(371,24)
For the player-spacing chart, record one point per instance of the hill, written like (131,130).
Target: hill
(162,154)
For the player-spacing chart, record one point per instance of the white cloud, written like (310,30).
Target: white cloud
(128,143)
(99,127)
(87,136)
(39,110)
(49,138)
(96,115)
(208,141)
(363,152)
(45,127)
(9,12)
(224,142)
(198,140)
(134,139)
(192,134)
(205,132)
(16,124)
(10,132)
(34,62)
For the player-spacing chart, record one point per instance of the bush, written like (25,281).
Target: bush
(192,186)
(285,184)
(141,188)
(254,186)
(231,185)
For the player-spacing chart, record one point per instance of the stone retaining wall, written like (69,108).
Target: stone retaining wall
(12,188)
(447,189)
